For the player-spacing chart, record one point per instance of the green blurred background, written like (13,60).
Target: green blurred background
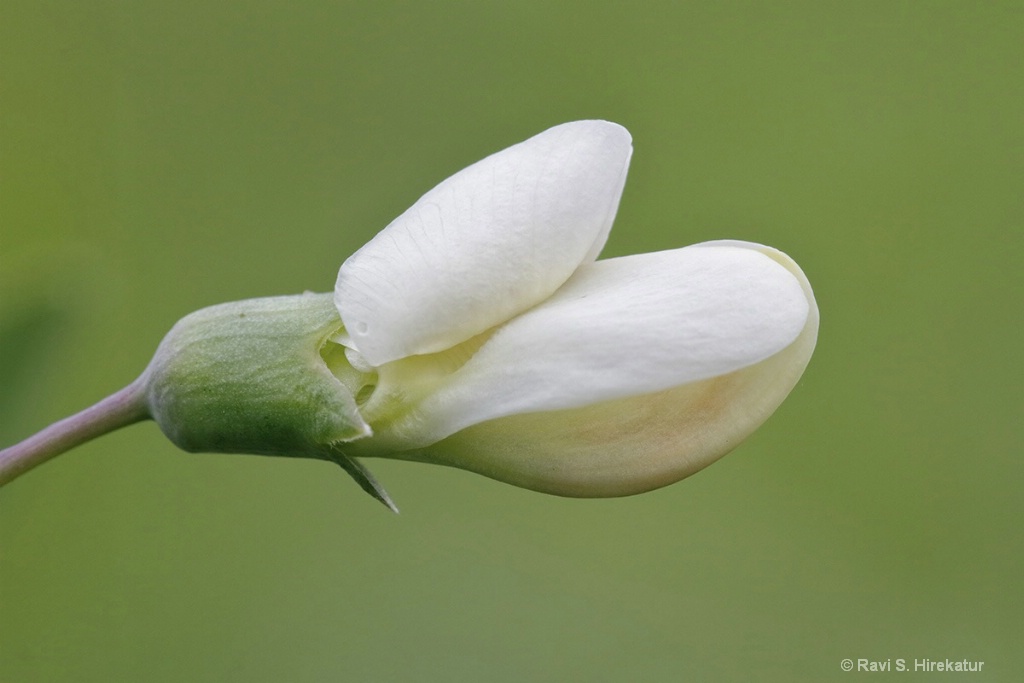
(157,157)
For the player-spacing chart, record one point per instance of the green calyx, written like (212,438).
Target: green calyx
(249,377)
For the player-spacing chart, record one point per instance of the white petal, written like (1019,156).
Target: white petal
(626,327)
(486,244)
(634,444)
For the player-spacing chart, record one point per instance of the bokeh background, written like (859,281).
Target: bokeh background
(157,157)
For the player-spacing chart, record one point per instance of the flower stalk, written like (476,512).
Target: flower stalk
(120,409)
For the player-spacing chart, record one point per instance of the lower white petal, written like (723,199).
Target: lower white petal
(637,443)
(626,327)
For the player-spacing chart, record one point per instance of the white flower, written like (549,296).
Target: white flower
(480,331)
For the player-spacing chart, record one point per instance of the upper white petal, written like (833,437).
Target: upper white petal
(624,327)
(486,244)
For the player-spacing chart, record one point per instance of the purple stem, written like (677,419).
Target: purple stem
(118,410)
